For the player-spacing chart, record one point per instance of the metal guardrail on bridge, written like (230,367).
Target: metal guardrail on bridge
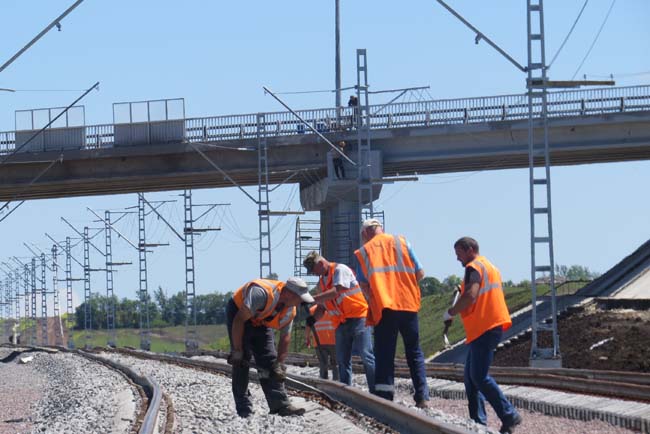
(444,112)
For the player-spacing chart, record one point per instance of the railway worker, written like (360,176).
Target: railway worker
(325,345)
(341,296)
(253,312)
(388,272)
(485,316)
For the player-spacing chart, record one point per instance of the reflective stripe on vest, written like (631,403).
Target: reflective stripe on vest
(384,388)
(400,267)
(391,275)
(349,303)
(267,316)
(325,327)
(490,309)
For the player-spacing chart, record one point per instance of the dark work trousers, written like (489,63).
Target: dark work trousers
(258,342)
(405,323)
(479,385)
(339,170)
(327,359)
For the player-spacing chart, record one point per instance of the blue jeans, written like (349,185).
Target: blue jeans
(406,324)
(479,385)
(354,336)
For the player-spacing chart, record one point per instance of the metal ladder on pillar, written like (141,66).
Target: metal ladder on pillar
(68,287)
(110,305)
(307,240)
(17,299)
(263,198)
(88,323)
(342,237)
(44,327)
(143,293)
(191,342)
(27,282)
(541,234)
(58,328)
(33,303)
(364,175)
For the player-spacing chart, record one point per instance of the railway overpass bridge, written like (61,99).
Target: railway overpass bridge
(425,137)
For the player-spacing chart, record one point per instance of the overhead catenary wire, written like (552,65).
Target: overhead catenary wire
(584,59)
(568,34)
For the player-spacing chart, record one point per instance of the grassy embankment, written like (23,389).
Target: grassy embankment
(212,337)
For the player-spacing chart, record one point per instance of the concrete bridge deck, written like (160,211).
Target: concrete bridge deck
(586,126)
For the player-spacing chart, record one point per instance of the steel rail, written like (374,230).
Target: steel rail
(615,384)
(150,387)
(397,417)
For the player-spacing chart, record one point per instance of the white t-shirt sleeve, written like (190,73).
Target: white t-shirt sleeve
(344,277)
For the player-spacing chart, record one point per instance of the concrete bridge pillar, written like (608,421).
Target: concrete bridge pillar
(337,200)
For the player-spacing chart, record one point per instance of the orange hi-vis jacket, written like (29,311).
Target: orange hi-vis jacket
(268,316)
(490,309)
(325,327)
(348,304)
(390,271)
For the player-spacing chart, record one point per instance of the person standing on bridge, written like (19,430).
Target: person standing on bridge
(485,316)
(325,345)
(341,296)
(389,272)
(253,312)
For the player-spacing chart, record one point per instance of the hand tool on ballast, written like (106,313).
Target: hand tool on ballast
(448,322)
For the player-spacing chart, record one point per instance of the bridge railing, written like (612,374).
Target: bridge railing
(457,111)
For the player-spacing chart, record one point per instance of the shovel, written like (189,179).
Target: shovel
(448,323)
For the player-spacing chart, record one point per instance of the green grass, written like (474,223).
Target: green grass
(215,337)
(430,319)
(163,339)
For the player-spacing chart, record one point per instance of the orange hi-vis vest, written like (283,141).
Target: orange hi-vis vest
(348,304)
(268,316)
(390,271)
(490,309)
(325,327)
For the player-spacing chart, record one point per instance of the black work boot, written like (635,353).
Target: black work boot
(289,410)
(509,428)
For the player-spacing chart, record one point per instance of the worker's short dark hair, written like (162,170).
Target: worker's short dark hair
(467,243)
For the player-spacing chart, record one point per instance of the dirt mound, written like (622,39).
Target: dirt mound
(593,339)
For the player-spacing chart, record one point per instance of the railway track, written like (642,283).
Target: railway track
(634,386)
(67,395)
(361,408)
(568,393)
(170,404)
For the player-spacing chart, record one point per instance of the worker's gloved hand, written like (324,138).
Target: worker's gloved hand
(279,371)
(236,359)
(310,321)
(446,317)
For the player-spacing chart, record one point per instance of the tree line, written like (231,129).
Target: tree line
(163,310)
(210,308)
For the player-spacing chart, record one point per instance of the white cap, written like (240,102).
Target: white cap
(299,287)
(370,222)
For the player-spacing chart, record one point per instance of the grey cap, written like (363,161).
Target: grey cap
(370,222)
(299,287)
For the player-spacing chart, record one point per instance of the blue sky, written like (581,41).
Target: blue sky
(218,55)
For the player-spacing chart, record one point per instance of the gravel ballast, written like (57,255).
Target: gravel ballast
(64,392)
(203,403)
(454,411)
